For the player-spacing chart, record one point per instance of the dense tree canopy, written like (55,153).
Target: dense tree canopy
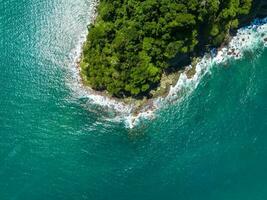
(132,41)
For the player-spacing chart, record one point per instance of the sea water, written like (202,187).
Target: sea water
(55,143)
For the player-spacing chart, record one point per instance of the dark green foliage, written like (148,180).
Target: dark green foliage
(129,45)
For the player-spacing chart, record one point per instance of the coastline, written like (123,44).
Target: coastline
(132,110)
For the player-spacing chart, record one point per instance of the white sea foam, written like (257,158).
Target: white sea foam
(247,39)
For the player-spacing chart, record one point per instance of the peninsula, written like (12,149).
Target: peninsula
(133,44)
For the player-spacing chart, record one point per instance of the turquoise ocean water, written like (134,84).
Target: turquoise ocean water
(211,145)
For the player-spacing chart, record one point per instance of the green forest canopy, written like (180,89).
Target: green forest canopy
(132,41)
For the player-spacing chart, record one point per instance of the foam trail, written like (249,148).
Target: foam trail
(248,38)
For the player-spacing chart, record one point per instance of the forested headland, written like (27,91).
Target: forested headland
(132,42)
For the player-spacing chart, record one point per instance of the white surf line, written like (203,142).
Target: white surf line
(248,38)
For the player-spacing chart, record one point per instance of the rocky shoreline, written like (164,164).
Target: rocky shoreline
(168,82)
(162,91)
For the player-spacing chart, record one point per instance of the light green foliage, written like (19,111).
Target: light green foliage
(130,45)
